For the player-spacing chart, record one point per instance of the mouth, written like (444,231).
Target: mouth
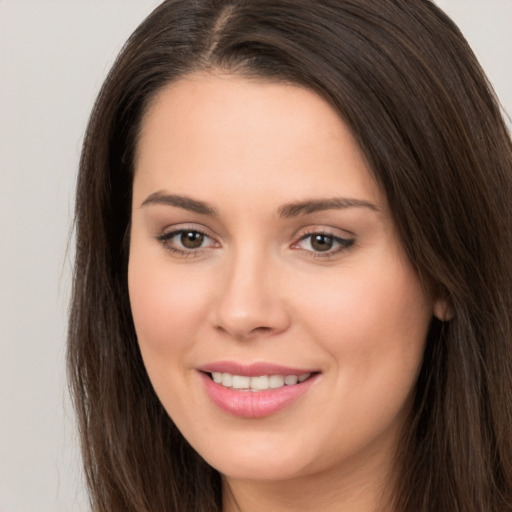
(257,383)
(257,390)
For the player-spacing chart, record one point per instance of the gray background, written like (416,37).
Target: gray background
(53,57)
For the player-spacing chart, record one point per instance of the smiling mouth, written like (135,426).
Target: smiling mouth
(255,390)
(257,383)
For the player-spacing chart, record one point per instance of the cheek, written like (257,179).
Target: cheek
(167,304)
(168,308)
(372,322)
(373,326)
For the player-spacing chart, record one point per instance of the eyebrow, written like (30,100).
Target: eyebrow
(286,211)
(315,205)
(179,201)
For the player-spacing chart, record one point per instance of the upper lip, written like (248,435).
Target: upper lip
(253,369)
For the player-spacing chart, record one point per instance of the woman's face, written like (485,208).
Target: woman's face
(262,253)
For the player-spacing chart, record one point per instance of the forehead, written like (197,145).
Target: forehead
(206,131)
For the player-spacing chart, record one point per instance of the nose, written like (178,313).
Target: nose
(252,301)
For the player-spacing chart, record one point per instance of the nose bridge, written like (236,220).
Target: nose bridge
(250,300)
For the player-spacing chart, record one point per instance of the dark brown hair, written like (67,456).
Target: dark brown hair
(403,78)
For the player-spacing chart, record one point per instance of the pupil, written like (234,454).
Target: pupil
(322,242)
(192,239)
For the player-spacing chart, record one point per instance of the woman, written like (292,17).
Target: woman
(293,286)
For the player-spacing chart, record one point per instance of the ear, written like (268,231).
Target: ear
(443,310)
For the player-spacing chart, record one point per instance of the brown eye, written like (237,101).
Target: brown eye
(186,242)
(191,239)
(321,242)
(324,244)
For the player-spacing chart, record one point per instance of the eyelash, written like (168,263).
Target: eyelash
(343,243)
(166,238)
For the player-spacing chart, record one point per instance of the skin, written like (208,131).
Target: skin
(257,289)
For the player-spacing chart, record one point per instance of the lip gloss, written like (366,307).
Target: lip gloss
(247,403)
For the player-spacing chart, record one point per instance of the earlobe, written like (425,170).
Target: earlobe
(443,310)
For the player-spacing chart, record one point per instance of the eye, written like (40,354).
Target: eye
(323,244)
(186,241)
(191,239)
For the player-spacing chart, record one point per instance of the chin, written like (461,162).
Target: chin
(256,469)
(259,460)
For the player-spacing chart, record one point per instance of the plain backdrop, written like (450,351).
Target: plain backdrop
(54,55)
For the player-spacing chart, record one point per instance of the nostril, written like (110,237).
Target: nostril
(261,329)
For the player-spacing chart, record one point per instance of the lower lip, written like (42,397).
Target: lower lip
(254,404)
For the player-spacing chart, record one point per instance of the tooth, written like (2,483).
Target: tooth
(240,382)
(260,382)
(227,380)
(290,380)
(276,381)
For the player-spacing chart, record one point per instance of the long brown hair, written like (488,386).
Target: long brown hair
(403,78)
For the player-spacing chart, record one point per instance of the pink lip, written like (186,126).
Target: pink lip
(253,369)
(254,404)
